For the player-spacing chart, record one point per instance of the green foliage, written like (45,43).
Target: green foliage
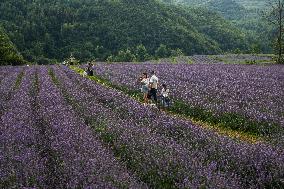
(8,52)
(176,53)
(45,61)
(163,51)
(141,53)
(110,59)
(255,49)
(97,29)
(125,56)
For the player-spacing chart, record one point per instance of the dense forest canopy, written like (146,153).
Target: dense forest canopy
(44,30)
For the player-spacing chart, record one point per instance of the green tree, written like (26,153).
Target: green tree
(141,53)
(275,15)
(163,51)
(125,56)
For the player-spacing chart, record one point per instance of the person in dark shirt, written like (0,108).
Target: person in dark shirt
(89,70)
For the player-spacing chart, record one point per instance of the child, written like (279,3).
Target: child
(165,96)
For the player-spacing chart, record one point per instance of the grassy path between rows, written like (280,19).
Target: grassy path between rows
(228,124)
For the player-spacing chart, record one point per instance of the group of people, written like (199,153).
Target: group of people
(150,89)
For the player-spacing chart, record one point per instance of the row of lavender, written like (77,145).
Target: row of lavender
(19,161)
(45,145)
(253,91)
(172,147)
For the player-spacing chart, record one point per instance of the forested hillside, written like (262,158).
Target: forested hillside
(98,29)
(8,52)
(246,15)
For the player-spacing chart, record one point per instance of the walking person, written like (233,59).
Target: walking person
(153,85)
(145,87)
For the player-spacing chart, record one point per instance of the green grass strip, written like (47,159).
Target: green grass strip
(19,80)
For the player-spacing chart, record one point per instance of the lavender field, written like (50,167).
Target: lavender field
(61,130)
(256,92)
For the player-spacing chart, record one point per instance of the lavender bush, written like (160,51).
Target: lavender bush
(21,165)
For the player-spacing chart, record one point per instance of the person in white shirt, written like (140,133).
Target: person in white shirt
(165,96)
(144,80)
(153,86)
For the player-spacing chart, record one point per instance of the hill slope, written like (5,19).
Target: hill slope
(101,28)
(243,14)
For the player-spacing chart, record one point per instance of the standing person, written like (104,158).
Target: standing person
(153,86)
(165,96)
(145,87)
